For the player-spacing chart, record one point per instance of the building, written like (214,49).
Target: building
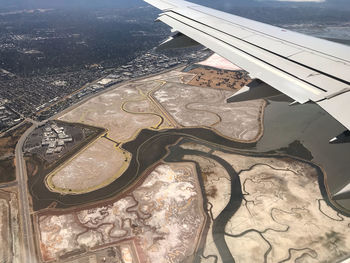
(54,137)
(52,144)
(49,151)
(58,149)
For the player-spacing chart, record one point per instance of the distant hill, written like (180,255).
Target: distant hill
(226,5)
(219,4)
(89,4)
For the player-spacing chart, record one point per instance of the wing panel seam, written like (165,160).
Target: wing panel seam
(260,32)
(286,58)
(311,84)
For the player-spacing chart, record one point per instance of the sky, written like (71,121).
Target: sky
(315,1)
(18,4)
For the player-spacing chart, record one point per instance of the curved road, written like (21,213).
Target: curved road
(28,254)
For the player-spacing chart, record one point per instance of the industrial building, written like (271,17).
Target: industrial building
(55,138)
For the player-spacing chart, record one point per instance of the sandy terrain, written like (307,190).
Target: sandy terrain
(172,76)
(217,184)
(284,209)
(163,214)
(194,106)
(106,110)
(217,61)
(283,216)
(5,243)
(219,79)
(78,175)
(241,162)
(124,252)
(10,243)
(195,146)
(123,111)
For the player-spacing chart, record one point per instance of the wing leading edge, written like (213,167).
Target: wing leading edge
(302,67)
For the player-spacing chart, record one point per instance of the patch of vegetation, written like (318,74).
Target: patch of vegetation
(8,142)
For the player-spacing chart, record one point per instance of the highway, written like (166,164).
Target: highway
(28,255)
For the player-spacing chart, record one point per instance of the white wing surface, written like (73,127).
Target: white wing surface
(303,67)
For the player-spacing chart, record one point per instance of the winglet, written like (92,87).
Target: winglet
(343,193)
(256,89)
(178,40)
(341,138)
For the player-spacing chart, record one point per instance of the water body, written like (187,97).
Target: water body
(147,149)
(284,125)
(313,128)
(176,154)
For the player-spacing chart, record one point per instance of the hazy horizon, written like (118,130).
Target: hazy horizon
(220,4)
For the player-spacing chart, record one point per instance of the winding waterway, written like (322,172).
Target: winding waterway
(284,125)
(147,149)
(313,128)
(177,154)
(151,146)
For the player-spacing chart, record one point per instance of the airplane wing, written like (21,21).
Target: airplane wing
(303,67)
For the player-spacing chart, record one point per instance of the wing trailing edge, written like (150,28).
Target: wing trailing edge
(302,67)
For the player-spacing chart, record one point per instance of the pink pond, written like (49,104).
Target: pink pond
(217,61)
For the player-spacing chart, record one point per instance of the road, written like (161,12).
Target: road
(28,255)
(8,185)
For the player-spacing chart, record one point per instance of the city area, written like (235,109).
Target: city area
(46,96)
(41,72)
